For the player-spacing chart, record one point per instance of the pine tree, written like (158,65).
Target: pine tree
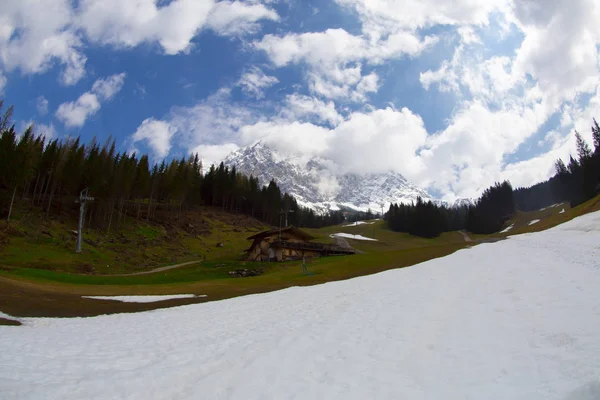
(583,149)
(560,167)
(596,136)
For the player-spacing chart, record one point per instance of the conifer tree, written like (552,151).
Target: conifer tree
(596,136)
(583,149)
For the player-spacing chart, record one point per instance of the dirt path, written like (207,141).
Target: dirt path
(467,237)
(159,269)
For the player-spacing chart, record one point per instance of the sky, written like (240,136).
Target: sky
(453,95)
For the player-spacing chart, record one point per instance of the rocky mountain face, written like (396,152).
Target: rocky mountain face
(314,186)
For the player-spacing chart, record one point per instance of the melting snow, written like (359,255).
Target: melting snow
(552,206)
(522,323)
(507,229)
(349,236)
(6,316)
(145,299)
(535,221)
(359,223)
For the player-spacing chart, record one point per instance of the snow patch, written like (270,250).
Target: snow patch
(349,236)
(535,221)
(552,206)
(507,229)
(145,298)
(359,223)
(562,211)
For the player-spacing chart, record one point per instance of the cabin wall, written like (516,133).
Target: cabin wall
(260,250)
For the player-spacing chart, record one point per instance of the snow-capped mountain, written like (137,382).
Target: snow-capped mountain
(314,185)
(463,202)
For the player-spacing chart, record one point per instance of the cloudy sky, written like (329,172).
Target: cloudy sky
(453,95)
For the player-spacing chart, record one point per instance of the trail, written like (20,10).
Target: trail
(467,237)
(159,269)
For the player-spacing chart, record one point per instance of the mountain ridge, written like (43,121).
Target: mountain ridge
(314,185)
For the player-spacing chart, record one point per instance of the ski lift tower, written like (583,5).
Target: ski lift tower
(83,198)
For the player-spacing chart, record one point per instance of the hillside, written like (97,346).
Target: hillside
(34,240)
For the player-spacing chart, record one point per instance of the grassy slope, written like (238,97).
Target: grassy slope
(34,241)
(387,240)
(548,217)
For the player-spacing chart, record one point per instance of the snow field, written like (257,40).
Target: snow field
(146,298)
(533,222)
(350,236)
(516,319)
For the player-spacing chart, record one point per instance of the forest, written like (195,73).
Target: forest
(428,219)
(576,183)
(49,175)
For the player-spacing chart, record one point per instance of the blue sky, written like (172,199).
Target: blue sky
(454,97)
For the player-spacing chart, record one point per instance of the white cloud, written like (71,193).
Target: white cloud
(299,107)
(505,100)
(203,127)
(130,23)
(213,153)
(254,81)
(157,134)
(34,37)
(173,26)
(74,113)
(47,131)
(468,35)
(42,105)
(374,141)
(289,138)
(236,18)
(570,64)
(334,58)
(327,185)
(107,88)
(381,17)
(379,140)
(74,69)
(212,121)
(3,82)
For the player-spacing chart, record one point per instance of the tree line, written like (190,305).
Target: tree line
(576,183)
(50,174)
(429,219)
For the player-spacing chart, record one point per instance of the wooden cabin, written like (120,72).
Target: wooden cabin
(289,244)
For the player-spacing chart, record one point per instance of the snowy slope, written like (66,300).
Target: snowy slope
(314,186)
(516,319)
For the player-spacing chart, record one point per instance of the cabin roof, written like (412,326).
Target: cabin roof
(290,230)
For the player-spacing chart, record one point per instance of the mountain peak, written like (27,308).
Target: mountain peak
(314,184)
